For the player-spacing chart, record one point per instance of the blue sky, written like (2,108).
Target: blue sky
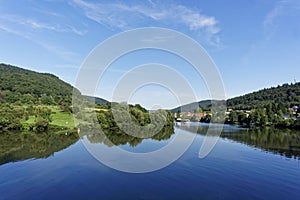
(255,44)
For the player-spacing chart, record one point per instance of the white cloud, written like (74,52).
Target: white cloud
(192,19)
(124,16)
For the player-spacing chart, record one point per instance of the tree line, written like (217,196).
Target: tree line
(288,95)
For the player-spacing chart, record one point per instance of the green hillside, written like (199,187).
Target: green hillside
(28,87)
(32,100)
(288,95)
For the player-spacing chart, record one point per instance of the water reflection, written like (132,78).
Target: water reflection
(16,146)
(116,138)
(285,142)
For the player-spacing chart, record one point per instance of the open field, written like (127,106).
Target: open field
(59,118)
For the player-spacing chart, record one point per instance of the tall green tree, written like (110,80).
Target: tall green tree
(42,117)
(233,117)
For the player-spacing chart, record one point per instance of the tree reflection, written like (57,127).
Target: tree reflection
(285,142)
(16,146)
(115,138)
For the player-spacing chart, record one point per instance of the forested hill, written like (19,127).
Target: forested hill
(204,105)
(287,94)
(24,86)
(97,100)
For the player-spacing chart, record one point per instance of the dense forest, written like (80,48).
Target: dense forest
(287,94)
(23,86)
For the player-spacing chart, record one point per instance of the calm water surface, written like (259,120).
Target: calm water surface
(257,164)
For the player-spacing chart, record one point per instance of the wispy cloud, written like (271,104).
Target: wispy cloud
(124,16)
(34,24)
(273,14)
(8,29)
(29,29)
(281,8)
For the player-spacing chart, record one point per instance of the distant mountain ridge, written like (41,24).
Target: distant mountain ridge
(97,100)
(205,105)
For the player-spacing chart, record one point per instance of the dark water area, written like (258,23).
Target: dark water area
(244,164)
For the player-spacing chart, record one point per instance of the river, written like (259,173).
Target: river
(244,164)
